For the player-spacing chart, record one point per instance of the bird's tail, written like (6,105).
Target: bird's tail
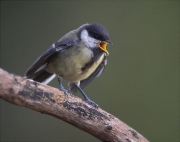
(42,76)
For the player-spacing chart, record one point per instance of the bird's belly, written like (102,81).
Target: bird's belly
(69,65)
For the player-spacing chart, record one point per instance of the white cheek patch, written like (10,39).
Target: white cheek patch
(89,41)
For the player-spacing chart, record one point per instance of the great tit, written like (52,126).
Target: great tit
(78,57)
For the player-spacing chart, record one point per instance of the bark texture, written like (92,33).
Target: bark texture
(71,109)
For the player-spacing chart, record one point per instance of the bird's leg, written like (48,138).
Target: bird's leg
(86,97)
(61,86)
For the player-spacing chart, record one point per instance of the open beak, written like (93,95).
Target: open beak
(103,44)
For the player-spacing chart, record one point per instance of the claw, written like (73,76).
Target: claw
(86,99)
(92,103)
(64,90)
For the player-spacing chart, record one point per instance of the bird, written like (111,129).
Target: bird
(78,57)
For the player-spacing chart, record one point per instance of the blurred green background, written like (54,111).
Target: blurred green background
(140,84)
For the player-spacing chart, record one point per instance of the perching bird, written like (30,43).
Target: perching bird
(78,57)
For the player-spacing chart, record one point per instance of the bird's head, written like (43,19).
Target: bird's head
(95,36)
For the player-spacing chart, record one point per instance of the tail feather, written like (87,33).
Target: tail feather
(42,76)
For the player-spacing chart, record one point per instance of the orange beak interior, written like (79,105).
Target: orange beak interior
(102,45)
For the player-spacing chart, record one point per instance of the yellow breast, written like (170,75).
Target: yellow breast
(91,69)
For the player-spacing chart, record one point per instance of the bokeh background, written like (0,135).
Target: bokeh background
(140,84)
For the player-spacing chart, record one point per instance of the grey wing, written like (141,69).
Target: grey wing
(99,70)
(40,63)
(37,70)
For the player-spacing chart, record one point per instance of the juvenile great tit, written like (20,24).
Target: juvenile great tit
(78,57)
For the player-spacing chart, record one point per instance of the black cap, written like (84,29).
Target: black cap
(97,31)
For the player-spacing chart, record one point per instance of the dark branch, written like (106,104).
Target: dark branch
(51,101)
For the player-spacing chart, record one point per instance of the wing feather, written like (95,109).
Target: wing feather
(43,60)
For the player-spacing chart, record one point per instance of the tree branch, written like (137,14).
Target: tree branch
(73,110)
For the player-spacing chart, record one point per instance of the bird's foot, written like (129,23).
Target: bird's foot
(64,90)
(72,94)
(86,97)
(91,103)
